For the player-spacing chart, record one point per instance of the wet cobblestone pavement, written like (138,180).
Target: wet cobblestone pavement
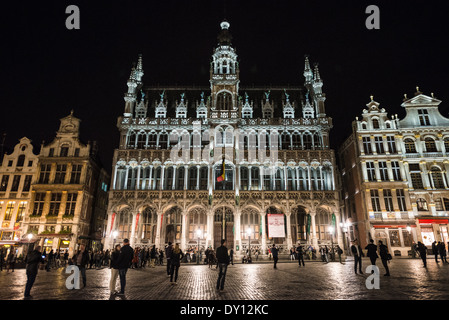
(316,281)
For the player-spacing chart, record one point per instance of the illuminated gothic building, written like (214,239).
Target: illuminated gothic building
(201,164)
(395,175)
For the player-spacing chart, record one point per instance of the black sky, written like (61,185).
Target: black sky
(48,70)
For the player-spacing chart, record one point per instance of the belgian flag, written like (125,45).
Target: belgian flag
(222,177)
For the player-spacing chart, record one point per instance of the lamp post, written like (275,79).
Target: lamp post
(248,232)
(331,230)
(198,233)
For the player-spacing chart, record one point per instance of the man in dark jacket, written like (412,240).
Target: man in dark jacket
(300,255)
(81,259)
(275,253)
(383,251)
(223,261)
(358,254)
(372,252)
(422,249)
(124,261)
(168,252)
(32,266)
(435,251)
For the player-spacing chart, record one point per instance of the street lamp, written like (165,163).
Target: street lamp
(331,230)
(248,232)
(409,229)
(198,233)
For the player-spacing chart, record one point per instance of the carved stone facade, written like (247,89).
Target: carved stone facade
(272,158)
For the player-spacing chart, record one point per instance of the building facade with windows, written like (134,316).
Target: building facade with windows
(64,193)
(17,172)
(395,175)
(195,165)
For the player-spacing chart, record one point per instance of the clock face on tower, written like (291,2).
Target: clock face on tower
(69,128)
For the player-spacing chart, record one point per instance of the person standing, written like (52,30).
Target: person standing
(358,254)
(49,260)
(442,251)
(124,261)
(383,252)
(153,256)
(223,261)
(422,249)
(33,259)
(300,255)
(372,252)
(339,252)
(175,262)
(81,260)
(435,251)
(114,269)
(275,254)
(11,260)
(168,251)
(231,256)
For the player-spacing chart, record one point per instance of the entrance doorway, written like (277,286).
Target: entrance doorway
(224,227)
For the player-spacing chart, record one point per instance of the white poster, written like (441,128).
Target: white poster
(276,228)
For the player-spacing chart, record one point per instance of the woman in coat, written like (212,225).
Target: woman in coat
(175,259)
(114,269)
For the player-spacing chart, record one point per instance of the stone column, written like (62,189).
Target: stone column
(158,241)
(184,220)
(289,231)
(133,230)
(314,238)
(264,233)
(237,230)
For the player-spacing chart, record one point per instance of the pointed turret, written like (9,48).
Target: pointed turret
(308,74)
(134,83)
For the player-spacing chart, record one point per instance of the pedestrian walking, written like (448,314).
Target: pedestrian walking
(300,255)
(175,263)
(385,257)
(124,261)
(435,251)
(49,260)
(114,269)
(153,256)
(33,259)
(81,260)
(223,262)
(275,254)
(339,252)
(168,251)
(11,260)
(372,252)
(442,251)
(422,249)
(413,249)
(358,254)
(231,256)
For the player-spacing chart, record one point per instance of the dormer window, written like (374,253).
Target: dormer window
(376,124)
(423,117)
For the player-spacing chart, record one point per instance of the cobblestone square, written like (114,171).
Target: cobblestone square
(258,281)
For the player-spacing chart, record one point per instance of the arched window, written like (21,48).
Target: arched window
(278,180)
(148,220)
(250,219)
(430,145)
(376,124)
(180,178)
(437,178)
(322,222)
(132,140)
(168,183)
(285,141)
(219,136)
(224,101)
(125,219)
(409,145)
(298,221)
(291,179)
(317,141)
(296,141)
(197,221)
(254,178)
(152,140)
(193,175)
(163,141)
(157,178)
(20,160)
(141,140)
(204,178)
(244,178)
(173,225)
(307,143)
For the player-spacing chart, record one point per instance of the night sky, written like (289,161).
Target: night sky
(48,70)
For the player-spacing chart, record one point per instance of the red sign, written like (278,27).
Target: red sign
(430,221)
(137,219)
(112,220)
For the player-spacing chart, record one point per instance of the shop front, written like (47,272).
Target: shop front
(433,229)
(398,238)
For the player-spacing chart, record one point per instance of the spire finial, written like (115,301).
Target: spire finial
(372,97)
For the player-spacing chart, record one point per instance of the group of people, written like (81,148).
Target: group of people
(438,248)
(8,260)
(153,256)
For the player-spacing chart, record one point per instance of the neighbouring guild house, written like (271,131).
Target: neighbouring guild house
(395,175)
